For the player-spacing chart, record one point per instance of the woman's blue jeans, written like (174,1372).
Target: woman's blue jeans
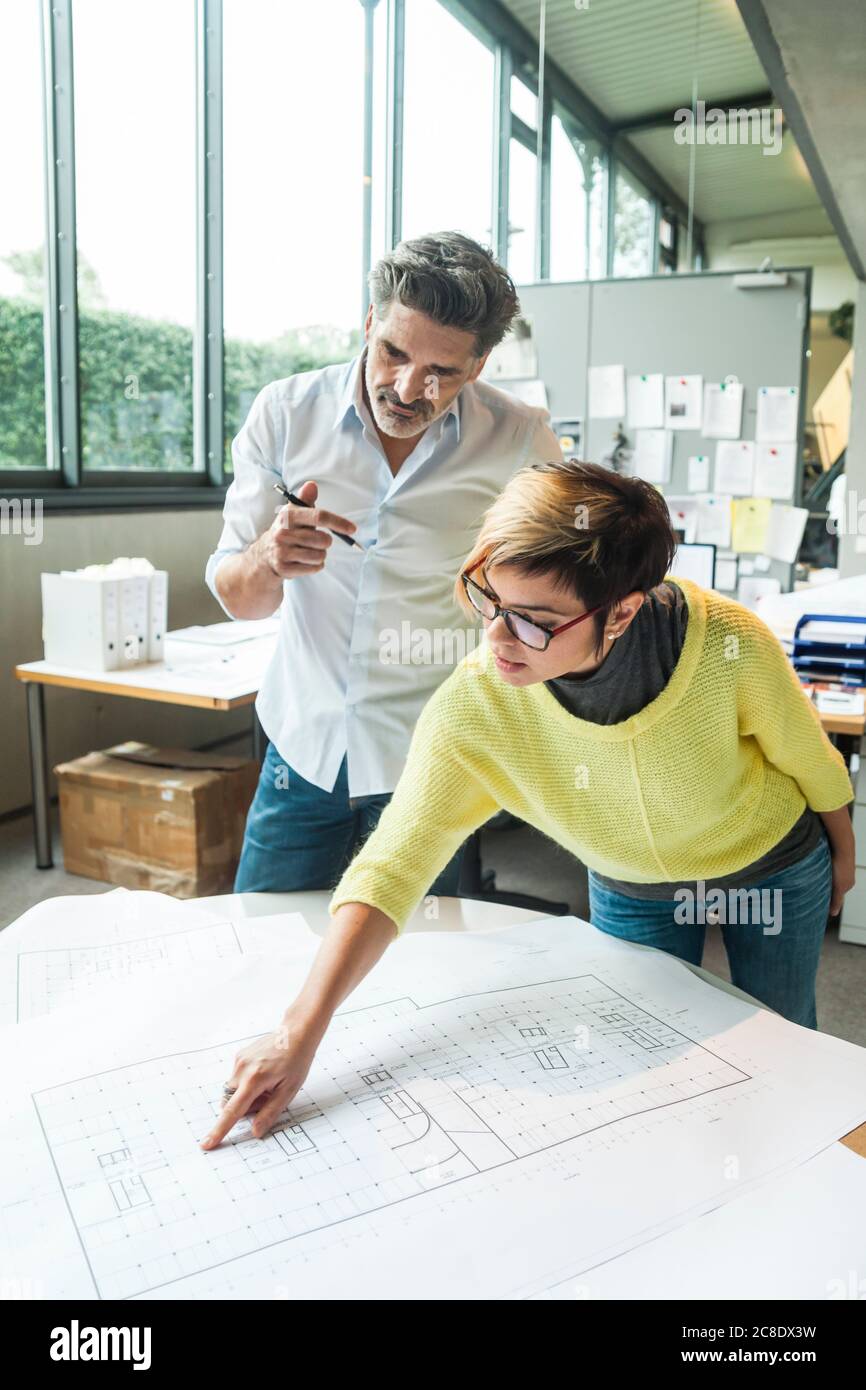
(773,940)
(301,837)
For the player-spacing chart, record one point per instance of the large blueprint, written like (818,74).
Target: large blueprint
(489,1115)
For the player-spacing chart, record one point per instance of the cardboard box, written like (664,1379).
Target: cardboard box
(165,819)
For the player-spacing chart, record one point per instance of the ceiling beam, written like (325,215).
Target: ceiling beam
(651,119)
(754,16)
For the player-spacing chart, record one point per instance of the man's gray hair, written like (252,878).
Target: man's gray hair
(453,280)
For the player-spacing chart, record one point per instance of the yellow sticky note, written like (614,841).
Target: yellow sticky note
(750,518)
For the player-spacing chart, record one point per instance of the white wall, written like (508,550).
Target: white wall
(178,541)
(794,239)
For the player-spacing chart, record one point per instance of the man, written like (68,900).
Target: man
(402,448)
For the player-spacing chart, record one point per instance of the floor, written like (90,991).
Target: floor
(523,860)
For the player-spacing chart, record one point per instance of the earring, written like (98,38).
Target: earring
(612,635)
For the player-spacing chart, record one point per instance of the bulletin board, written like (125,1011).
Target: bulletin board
(695,324)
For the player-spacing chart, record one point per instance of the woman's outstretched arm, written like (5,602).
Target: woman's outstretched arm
(269,1072)
(439,800)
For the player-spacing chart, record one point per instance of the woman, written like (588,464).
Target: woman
(653,728)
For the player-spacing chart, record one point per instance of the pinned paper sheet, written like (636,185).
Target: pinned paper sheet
(652,455)
(684,402)
(530,390)
(775,466)
(714,519)
(646,401)
(607,393)
(735,466)
(726,572)
(750,518)
(785,532)
(751,590)
(778,408)
(723,410)
(684,516)
(699,473)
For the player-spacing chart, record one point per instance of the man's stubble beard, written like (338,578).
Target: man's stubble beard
(394,425)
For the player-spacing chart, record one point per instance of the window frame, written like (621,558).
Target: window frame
(63,484)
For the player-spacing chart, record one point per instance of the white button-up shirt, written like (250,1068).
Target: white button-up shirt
(364,642)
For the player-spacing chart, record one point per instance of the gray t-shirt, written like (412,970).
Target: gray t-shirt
(636,670)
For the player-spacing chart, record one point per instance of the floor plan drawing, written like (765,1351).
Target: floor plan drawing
(489,1115)
(53,977)
(403,1100)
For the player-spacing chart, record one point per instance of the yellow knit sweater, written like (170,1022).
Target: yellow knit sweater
(702,781)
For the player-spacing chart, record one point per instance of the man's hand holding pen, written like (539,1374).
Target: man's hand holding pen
(295,544)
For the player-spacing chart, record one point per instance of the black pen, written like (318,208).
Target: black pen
(290,497)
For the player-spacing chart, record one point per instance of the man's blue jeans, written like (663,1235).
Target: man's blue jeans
(775,959)
(300,837)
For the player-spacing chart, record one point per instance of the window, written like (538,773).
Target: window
(447,144)
(577,186)
(286,244)
(22,242)
(524,103)
(633,229)
(135,208)
(293,194)
(521,213)
(598,215)
(667,248)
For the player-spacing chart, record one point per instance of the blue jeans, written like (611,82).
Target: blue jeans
(298,836)
(773,943)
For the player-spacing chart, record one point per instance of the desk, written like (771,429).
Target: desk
(850,726)
(193,674)
(455,914)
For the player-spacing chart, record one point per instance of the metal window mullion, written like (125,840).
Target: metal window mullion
(524,134)
(654,236)
(542,216)
(610,226)
(61,296)
(501,151)
(587,224)
(208,372)
(394,123)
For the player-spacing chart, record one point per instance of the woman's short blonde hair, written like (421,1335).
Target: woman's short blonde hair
(600,534)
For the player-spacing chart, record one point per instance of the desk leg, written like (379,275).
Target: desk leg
(39,774)
(260,739)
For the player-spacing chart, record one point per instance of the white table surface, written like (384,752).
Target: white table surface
(455,914)
(190,668)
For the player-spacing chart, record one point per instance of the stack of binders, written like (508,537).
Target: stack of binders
(105,617)
(830,647)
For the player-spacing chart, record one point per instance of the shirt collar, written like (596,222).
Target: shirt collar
(351,397)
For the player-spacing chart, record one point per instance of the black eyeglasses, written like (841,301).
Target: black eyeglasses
(530,633)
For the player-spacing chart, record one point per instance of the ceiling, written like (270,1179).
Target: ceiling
(638,58)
